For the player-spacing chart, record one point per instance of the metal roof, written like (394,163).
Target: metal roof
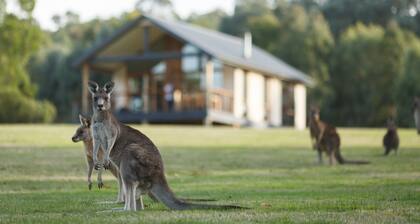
(224,47)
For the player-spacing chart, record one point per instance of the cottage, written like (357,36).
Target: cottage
(173,72)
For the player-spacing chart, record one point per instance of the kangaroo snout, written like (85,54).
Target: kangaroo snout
(75,139)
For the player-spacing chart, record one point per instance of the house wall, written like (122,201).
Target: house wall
(120,89)
(300,106)
(255,98)
(228,77)
(239,105)
(275,102)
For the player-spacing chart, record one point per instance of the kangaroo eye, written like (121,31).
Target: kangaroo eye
(106,98)
(95,98)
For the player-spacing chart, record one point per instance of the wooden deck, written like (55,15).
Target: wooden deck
(181,117)
(168,117)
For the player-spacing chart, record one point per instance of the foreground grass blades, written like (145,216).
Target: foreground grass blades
(42,177)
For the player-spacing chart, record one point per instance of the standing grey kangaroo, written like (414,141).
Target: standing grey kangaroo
(416,113)
(325,138)
(391,140)
(138,159)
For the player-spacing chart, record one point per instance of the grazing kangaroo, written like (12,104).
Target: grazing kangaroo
(416,113)
(391,140)
(326,139)
(138,159)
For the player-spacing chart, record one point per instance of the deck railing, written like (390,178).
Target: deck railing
(190,101)
(221,100)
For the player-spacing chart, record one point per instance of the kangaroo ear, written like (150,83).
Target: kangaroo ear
(87,123)
(93,87)
(109,87)
(81,119)
(84,121)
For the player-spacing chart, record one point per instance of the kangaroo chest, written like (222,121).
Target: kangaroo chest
(103,134)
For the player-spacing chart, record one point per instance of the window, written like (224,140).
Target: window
(134,89)
(190,64)
(218,74)
(189,49)
(159,68)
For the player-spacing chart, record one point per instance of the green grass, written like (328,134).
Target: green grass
(274,172)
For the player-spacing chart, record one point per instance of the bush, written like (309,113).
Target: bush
(408,88)
(18,108)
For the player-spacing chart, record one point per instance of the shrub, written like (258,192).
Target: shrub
(18,108)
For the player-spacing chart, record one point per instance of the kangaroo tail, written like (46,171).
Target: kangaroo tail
(165,195)
(341,160)
(338,157)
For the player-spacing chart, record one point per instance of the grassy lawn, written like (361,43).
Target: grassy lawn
(43,180)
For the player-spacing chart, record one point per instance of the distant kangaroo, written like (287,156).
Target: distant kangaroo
(138,159)
(416,113)
(391,140)
(326,139)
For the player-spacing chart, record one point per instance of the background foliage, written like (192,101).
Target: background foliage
(363,54)
(20,38)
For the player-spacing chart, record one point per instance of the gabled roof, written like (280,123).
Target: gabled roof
(224,47)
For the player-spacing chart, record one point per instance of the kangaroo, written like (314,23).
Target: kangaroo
(314,133)
(326,139)
(391,140)
(416,113)
(83,133)
(138,159)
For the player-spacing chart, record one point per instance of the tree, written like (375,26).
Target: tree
(160,8)
(20,38)
(366,65)
(305,41)
(23,37)
(245,10)
(408,83)
(2,10)
(344,13)
(211,20)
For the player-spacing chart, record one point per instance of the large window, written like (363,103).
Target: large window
(218,74)
(191,68)
(159,69)
(135,85)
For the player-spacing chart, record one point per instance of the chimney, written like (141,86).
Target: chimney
(247,45)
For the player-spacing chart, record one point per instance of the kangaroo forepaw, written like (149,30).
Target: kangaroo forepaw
(100,185)
(107,165)
(98,166)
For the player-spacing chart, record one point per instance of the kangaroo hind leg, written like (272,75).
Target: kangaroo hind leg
(130,196)
(320,157)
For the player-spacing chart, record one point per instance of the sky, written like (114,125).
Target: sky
(89,9)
